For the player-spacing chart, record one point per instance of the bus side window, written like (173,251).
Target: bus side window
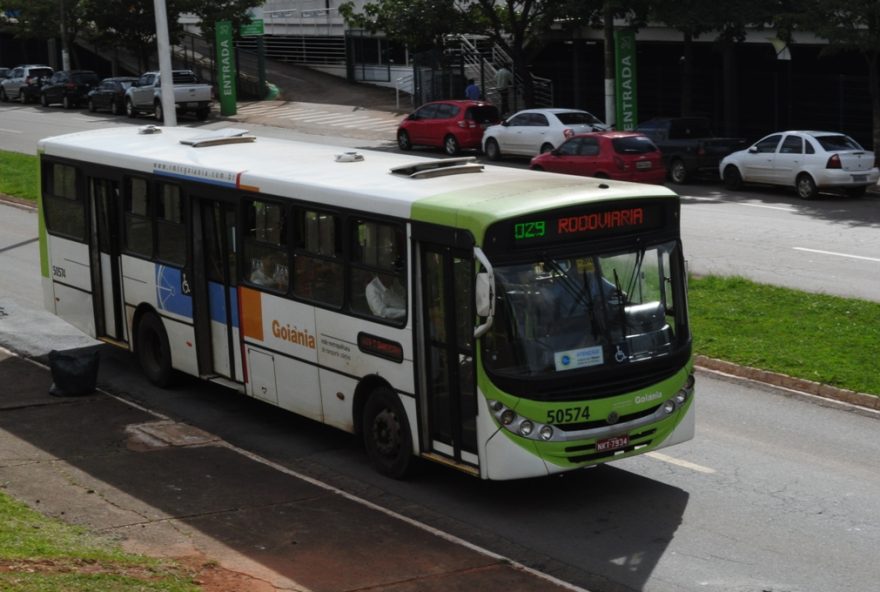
(378,270)
(267,262)
(170,225)
(138,217)
(65,207)
(317,257)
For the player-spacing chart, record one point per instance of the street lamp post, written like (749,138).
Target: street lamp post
(164,46)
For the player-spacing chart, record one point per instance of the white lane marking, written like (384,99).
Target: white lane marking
(863,258)
(751,205)
(681,463)
(9,131)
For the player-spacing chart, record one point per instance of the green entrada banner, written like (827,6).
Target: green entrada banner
(625,80)
(225,68)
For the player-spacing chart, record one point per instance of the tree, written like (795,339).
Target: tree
(418,24)
(131,24)
(211,11)
(45,19)
(851,25)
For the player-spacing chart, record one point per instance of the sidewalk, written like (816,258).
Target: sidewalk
(171,490)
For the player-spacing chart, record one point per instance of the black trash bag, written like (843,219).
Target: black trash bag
(73,373)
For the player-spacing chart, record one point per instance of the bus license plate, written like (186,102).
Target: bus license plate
(643,164)
(615,443)
(859,178)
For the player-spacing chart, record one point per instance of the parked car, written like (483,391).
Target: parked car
(451,125)
(4,73)
(534,131)
(809,161)
(24,83)
(68,87)
(190,95)
(688,145)
(623,156)
(110,94)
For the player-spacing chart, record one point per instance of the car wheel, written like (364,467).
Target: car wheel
(153,351)
(403,140)
(115,108)
(732,178)
(547,147)
(678,172)
(202,114)
(386,434)
(601,176)
(22,97)
(536,167)
(806,187)
(856,191)
(92,107)
(3,96)
(44,100)
(492,149)
(450,145)
(66,102)
(129,109)
(158,112)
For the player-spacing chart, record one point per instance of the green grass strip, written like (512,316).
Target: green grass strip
(39,554)
(817,337)
(18,175)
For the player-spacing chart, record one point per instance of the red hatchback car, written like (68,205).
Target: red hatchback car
(623,156)
(451,125)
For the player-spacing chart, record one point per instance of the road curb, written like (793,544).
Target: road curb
(790,383)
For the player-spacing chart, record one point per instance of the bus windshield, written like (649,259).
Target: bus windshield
(586,312)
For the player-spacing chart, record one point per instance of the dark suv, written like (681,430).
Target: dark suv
(68,87)
(451,125)
(24,83)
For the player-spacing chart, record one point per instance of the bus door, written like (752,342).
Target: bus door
(449,404)
(104,249)
(216,310)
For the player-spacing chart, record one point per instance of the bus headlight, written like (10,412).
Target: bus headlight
(519,425)
(669,407)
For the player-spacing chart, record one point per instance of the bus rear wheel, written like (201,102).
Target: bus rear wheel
(153,351)
(386,434)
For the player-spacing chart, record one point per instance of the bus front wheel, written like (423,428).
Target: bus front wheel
(153,351)
(386,434)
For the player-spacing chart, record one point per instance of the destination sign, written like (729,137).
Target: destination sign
(588,224)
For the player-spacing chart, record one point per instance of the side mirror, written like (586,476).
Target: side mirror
(485,293)
(753,149)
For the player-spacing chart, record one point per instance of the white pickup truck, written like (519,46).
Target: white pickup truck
(190,95)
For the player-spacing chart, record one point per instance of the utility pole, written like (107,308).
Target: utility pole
(608,29)
(164,45)
(65,51)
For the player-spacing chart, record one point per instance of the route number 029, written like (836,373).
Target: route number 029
(529,229)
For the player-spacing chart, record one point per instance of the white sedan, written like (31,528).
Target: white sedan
(809,161)
(535,131)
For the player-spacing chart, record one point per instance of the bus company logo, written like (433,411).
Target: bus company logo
(648,398)
(293,335)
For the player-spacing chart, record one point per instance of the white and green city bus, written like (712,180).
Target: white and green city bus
(506,322)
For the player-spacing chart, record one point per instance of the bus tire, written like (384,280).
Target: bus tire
(386,434)
(153,351)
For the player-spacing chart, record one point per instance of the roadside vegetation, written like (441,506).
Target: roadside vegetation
(19,175)
(816,337)
(39,554)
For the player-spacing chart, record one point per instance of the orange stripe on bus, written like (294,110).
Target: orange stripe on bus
(252,313)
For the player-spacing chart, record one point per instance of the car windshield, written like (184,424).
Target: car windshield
(577,118)
(184,78)
(585,312)
(40,73)
(633,145)
(838,142)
